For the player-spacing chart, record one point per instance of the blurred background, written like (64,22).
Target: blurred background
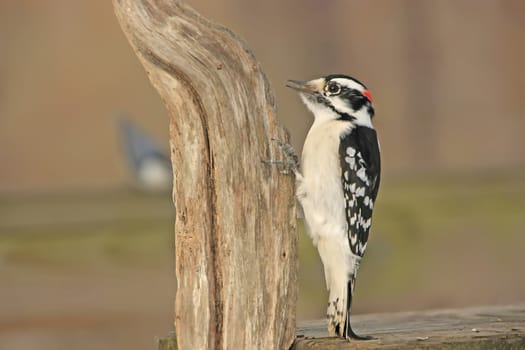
(86,228)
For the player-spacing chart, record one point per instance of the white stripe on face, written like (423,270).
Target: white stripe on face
(349,84)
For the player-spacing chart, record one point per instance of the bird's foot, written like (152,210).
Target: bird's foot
(291,163)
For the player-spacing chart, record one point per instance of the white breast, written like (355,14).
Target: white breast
(320,192)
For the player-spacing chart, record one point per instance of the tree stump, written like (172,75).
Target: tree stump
(235,229)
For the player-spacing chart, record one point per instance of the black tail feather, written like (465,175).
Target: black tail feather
(348,332)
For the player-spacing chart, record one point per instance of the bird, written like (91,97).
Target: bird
(337,183)
(148,162)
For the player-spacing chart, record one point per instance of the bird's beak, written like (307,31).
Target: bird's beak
(303,86)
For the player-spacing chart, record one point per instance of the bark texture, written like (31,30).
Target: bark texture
(235,234)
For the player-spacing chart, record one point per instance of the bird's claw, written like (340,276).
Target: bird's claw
(292,160)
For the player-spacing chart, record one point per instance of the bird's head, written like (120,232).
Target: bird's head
(336,97)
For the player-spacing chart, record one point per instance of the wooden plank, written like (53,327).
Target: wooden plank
(499,327)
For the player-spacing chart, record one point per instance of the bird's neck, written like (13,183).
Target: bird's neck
(359,118)
(362,118)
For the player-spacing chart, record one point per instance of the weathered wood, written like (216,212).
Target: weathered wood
(236,260)
(473,328)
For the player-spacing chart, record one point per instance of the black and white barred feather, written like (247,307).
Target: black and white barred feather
(360,169)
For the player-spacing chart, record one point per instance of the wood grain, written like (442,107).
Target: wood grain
(235,230)
(472,328)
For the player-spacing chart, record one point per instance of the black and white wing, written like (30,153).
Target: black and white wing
(360,170)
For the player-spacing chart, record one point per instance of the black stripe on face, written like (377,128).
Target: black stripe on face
(353,97)
(325,101)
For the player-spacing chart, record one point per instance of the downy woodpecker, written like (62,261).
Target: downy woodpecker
(338,184)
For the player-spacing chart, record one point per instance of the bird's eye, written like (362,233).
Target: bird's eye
(333,88)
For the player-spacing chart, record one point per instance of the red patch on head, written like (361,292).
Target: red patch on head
(368,95)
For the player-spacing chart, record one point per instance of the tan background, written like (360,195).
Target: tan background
(446,76)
